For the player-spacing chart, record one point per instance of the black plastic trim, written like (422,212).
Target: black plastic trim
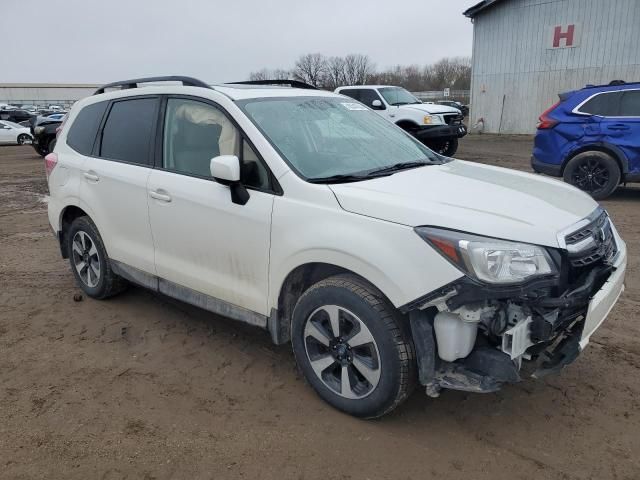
(290,83)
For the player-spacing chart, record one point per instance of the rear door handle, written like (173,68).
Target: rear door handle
(91,176)
(160,195)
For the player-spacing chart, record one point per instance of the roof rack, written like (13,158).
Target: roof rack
(291,83)
(613,83)
(126,84)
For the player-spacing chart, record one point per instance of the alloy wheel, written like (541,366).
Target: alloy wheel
(342,351)
(591,175)
(86,259)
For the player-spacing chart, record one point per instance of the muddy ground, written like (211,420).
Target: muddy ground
(142,386)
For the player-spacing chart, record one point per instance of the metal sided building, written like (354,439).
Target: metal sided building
(525,52)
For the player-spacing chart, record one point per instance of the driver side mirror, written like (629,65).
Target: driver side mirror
(377,105)
(225,169)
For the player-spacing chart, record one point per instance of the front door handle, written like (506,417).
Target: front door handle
(91,176)
(160,195)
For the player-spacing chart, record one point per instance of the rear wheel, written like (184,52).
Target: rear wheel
(23,138)
(51,146)
(89,261)
(350,344)
(594,172)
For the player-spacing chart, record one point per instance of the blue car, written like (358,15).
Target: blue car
(591,138)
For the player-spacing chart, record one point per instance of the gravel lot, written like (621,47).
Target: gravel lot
(142,386)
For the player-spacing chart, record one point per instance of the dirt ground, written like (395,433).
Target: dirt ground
(142,386)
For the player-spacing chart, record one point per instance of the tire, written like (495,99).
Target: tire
(85,247)
(22,138)
(594,172)
(448,147)
(371,346)
(51,146)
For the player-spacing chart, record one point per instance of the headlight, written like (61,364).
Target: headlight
(431,119)
(490,260)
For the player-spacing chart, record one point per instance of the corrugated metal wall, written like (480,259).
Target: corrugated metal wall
(516,76)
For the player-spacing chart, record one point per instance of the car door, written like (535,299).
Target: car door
(6,133)
(204,241)
(114,180)
(630,118)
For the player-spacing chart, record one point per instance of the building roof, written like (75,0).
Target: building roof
(479,8)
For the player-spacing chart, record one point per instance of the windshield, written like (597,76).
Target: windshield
(323,137)
(397,96)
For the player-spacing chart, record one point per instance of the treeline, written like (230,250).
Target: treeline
(356,69)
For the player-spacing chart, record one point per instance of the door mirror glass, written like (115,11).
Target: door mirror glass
(376,104)
(225,168)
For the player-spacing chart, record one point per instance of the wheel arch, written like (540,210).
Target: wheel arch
(296,282)
(615,152)
(67,216)
(407,124)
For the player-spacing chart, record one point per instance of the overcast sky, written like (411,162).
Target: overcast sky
(90,41)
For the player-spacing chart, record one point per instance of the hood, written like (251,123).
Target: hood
(431,108)
(491,201)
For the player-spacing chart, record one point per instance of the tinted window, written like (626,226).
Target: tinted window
(82,133)
(127,132)
(630,104)
(368,96)
(605,105)
(353,93)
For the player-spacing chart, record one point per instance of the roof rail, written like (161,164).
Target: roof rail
(613,83)
(126,84)
(291,83)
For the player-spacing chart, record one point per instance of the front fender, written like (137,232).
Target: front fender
(390,256)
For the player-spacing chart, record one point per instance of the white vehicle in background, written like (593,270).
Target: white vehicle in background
(305,213)
(437,126)
(55,108)
(14,133)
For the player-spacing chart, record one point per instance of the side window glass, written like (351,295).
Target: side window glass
(254,173)
(605,105)
(194,133)
(368,96)
(83,132)
(630,104)
(353,93)
(127,132)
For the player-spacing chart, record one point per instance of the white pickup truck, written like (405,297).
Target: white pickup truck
(437,126)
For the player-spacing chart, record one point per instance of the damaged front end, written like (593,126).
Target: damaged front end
(474,336)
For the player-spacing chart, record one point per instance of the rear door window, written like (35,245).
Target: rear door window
(354,93)
(82,133)
(127,133)
(630,106)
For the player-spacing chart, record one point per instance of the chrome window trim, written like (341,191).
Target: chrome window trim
(577,111)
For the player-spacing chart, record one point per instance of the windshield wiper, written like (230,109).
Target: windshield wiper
(396,167)
(397,104)
(342,178)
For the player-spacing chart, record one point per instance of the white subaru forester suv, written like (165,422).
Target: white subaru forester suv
(305,213)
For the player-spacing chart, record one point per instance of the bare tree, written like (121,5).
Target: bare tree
(357,69)
(334,73)
(267,74)
(311,68)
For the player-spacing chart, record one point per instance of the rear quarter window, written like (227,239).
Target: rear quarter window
(604,104)
(82,133)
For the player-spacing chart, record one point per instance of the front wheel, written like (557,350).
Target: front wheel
(352,348)
(448,147)
(23,138)
(594,172)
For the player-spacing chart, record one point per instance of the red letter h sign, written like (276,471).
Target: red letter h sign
(558,35)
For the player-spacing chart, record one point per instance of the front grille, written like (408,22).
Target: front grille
(453,118)
(592,243)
